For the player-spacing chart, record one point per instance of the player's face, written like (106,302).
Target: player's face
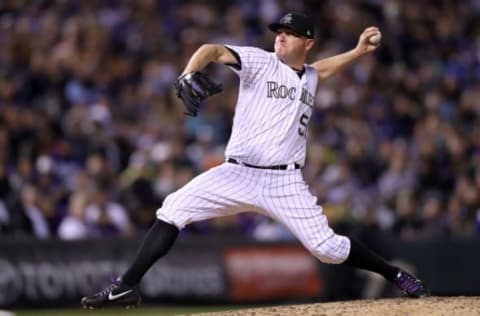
(289,44)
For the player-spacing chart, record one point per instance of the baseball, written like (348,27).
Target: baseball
(375,39)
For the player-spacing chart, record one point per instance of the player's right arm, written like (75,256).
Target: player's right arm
(330,66)
(208,53)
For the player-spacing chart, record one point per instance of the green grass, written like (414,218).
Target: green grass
(142,311)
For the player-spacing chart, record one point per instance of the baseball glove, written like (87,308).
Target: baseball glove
(193,88)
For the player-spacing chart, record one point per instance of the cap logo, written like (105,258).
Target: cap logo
(287,19)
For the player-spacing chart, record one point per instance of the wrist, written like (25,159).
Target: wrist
(357,52)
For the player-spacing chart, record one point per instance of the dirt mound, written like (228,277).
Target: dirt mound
(432,306)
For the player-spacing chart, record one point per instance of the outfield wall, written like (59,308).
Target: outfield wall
(220,270)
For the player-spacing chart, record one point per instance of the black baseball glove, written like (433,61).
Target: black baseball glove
(193,88)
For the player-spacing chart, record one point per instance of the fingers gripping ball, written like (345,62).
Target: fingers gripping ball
(193,88)
(375,39)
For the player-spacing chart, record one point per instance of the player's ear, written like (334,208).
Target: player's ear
(309,44)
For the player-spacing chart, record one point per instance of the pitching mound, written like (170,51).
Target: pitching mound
(432,306)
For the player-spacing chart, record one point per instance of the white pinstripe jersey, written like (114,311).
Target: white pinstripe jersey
(273,108)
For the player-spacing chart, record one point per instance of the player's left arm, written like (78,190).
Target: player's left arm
(330,66)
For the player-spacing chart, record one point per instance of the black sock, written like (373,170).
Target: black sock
(157,243)
(363,258)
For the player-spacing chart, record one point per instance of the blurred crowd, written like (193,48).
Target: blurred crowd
(92,137)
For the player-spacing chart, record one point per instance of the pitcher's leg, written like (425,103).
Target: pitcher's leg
(221,191)
(123,290)
(157,242)
(329,247)
(312,230)
(290,202)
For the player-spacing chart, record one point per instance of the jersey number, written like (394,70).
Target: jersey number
(302,130)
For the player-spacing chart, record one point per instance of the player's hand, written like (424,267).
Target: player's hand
(364,44)
(193,88)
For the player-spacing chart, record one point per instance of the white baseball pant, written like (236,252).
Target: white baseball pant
(283,195)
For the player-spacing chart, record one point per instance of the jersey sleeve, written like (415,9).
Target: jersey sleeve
(253,62)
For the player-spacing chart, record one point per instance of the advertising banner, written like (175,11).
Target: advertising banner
(271,272)
(56,273)
(216,270)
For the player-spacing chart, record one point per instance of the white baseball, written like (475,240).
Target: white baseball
(375,39)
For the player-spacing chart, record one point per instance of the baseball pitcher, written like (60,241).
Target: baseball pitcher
(263,158)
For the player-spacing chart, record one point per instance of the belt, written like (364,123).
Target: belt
(277,167)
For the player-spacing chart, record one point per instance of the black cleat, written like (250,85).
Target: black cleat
(116,294)
(410,285)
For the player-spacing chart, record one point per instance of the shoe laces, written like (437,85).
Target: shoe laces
(409,282)
(115,283)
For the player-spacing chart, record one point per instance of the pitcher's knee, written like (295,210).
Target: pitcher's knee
(333,250)
(170,211)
